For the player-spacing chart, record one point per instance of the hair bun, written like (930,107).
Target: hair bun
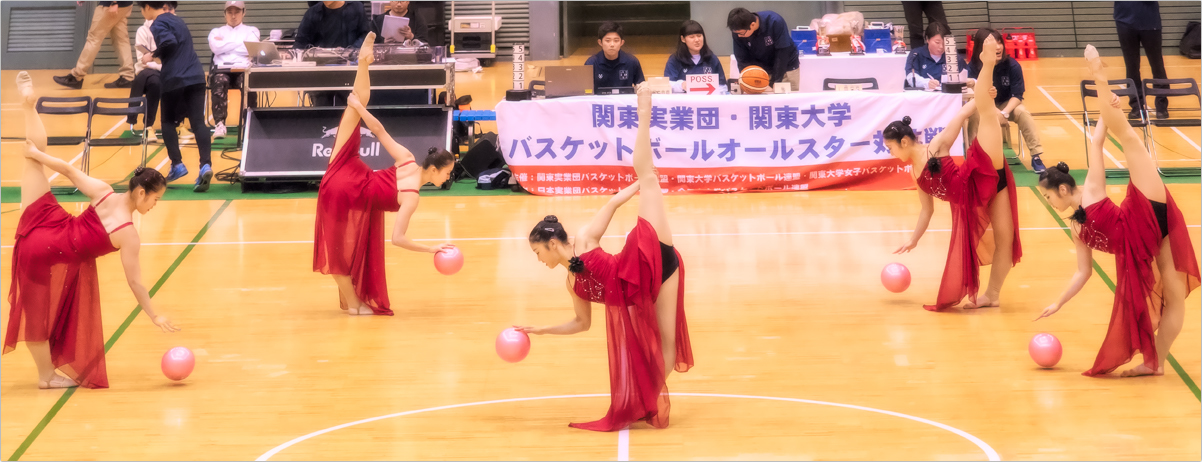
(139,170)
(432,150)
(906,120)
(551,219)
(1063,167)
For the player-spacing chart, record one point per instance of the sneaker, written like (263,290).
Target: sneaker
(185,136)
(203,179)
(1161,115)
(1134,114)
(69,81)
(150,136)
(121,82)
(1037,164)
(177,171)
(219,130)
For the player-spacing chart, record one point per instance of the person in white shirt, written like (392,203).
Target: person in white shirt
(229,52)
(146,79)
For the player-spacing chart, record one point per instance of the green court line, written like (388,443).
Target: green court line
(37,430)
(1189,381)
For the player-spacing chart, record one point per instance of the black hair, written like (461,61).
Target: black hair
(1058,175)
(740,19)
(549,229)
(978,39)
(149,179)
(935,28)
(153,5)
(607,27)
(438,158)
(688,28)
(898,129)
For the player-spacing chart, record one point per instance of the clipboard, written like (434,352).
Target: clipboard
(392,27)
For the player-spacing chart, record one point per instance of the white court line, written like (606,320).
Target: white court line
(80,155)
(1077,124)
(624,444)
(989,452)
(1187,140)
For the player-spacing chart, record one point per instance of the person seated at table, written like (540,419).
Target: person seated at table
(228,44)
(332,25)
(1007,93)
(924,66)
(693,57)
(762,39)
(415,30)
(613,67)
(147,80)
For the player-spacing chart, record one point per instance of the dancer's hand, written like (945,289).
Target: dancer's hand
(993,92)
(442,247)
(354,101)
(1050,310)
(1114,101)
(530,330)
(165,324)
(906,247)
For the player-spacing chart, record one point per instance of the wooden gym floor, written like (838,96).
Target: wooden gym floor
(801,354)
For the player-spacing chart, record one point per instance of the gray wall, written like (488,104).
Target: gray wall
(545,33)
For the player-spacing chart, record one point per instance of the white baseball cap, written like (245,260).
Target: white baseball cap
(239,5)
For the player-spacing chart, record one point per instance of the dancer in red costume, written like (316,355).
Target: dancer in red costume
(1153,257)
(348,236)
(642,288)
(55,292)
(980,192)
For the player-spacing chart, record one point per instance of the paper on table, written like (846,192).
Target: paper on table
(392,27)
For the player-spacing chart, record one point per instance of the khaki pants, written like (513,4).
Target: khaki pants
(794,79)
(116,28)
(1026,126)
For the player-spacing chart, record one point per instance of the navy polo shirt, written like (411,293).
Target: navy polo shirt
(926,66)
(1007,77)
(626,71)
(1138,15)
(677,69)
(173,45)
(766,47)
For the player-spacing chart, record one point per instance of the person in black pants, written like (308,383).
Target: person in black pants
(1139,23)
(183,92)
(914,11)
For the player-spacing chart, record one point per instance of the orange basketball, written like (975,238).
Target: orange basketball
(755,80)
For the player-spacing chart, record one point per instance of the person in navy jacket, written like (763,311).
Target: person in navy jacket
(762,39)
(613,67)
(924,66)
(693,57)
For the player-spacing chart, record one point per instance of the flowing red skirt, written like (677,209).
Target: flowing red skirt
(348,238)
(971,189)
(55,294)
(637,379)
(1139,289)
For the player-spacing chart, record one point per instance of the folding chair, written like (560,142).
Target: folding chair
(123,107)
(1128,89)
(69,106)
(1163,88)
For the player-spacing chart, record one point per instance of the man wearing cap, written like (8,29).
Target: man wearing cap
(228,44)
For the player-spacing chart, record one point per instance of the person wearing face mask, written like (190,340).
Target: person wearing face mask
(692,57)
(924,66)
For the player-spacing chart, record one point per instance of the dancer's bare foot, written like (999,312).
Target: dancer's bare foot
(984,301)
(57,381)
(1093,60)
(367,54)
(1141,370)
(362,310)
(644,93)
(989,50)
(25,88)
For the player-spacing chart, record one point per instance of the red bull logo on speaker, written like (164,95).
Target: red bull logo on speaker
(370,150)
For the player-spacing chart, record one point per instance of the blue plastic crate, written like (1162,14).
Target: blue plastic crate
(805,39)
(878,39)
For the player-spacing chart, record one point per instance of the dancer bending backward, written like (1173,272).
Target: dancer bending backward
(1147,234)
(55,290)
(642,288)
(981,195)
(348,239)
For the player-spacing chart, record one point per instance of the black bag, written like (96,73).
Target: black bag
(1191,41)
(496,178)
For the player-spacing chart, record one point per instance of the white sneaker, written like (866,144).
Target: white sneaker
(150,135)
(185,136)
(219,130)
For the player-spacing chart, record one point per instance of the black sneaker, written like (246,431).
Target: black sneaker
(121,82)
(1161,115)
(1134,114)
(69,81)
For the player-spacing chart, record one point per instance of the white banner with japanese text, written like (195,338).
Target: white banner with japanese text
(785,142)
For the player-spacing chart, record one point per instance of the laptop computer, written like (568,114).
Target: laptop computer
(615,91)
(569,81)
(262,52)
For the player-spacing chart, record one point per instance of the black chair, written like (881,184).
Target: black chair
(1163,88)
(1127,89)
(123,107)
(865,84)
(69,106)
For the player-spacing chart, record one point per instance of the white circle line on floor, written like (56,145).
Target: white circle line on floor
(989,452)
